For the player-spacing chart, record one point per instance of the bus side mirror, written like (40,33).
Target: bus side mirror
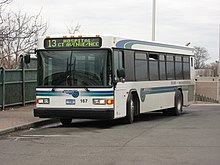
(121,74)
(27,59)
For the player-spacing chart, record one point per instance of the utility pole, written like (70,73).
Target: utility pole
(153,20)
(218,72)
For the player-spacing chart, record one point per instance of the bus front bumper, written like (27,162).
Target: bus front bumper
(74,113)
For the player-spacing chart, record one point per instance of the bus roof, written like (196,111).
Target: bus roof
(125,43)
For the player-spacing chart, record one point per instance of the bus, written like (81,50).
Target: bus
(107,77)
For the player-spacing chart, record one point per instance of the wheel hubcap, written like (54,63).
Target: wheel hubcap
(132,109)
(179,105)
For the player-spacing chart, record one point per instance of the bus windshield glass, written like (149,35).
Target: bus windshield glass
(71,68)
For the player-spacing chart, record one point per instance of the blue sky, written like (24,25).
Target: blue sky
(178,22)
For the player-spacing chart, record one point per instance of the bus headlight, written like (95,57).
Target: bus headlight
(43,101)
(99,101)
(103,101)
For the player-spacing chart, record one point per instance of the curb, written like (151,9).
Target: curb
(28,126)
(204,104)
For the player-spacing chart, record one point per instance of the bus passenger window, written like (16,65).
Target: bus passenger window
(162,66)
(141,66)
(153,67)
(178,68)
(170,67)
(186,68)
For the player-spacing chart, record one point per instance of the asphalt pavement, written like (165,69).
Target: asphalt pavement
(154,139)
(20,118)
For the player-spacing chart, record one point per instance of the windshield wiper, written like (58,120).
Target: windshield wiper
(53,88)
(69,71)
(86,88)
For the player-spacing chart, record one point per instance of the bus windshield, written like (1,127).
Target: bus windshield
(74,68)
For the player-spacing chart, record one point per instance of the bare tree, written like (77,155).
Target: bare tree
(201,56)
(73,29)
(18,32)
(214,67)
(2,4)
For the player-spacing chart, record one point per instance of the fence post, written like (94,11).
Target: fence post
(3,88)
(23,80)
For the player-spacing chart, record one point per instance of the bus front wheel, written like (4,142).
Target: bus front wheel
(130,110)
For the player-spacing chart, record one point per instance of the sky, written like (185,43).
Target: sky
(177,21)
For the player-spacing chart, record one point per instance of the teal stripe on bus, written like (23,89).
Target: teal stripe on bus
(82,93)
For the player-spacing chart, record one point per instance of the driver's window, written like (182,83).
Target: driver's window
(118,62)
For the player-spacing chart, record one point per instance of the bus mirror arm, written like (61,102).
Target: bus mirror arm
(115,83)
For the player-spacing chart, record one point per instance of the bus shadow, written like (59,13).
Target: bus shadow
(151,116)
(100,124)
(106,124)
(154,116)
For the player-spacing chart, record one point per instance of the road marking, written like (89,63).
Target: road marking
(41,136)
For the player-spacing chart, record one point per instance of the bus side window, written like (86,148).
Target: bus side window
(153,66)
(118,62)
(192,62)
(129,65)
(186,67)
(162,67)
(170,67)
(141,66)
(178,67)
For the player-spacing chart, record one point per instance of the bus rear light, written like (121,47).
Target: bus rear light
(103,101)
(71,36)
(64,36)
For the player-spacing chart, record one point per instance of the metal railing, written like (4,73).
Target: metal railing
(203,98)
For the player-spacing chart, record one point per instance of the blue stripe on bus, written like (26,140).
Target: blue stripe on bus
(155,90)
(70,92)
(129,43)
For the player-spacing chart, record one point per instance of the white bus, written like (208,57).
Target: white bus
(106,77)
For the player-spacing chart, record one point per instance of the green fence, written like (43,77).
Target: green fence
(17,86)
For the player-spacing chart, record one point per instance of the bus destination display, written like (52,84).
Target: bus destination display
(62,43)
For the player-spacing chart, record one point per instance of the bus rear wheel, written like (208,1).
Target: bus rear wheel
(178,105)
(65,122)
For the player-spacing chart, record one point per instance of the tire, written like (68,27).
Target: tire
(66,122)
(178,105)
(131,107)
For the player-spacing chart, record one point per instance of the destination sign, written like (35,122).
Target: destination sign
(61,43)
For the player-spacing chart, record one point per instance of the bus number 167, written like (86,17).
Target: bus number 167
(83,101)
